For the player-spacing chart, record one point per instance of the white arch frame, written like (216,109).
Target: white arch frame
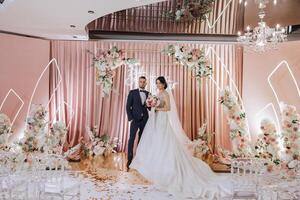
(72,114)
(223,65)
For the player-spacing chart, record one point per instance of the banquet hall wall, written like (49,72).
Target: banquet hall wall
(257,92)
(22,60)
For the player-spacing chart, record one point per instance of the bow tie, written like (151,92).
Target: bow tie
(143,91)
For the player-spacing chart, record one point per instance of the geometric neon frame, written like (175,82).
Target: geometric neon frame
(38,81)
(6,96)
(275,113)
(292,75)
(70,110)
(219,17)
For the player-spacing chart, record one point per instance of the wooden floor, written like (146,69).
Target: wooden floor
(117,161)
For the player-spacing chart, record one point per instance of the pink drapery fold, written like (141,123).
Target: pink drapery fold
(196,102)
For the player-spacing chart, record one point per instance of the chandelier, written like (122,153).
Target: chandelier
(262,37)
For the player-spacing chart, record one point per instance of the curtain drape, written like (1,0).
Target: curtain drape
(196,101)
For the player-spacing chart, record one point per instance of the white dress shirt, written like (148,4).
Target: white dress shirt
(143,96)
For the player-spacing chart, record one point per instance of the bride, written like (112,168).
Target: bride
(163,157)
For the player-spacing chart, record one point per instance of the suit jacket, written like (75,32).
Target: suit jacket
(134,107)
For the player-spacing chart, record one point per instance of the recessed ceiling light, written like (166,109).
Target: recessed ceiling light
(72,26)
(91,12)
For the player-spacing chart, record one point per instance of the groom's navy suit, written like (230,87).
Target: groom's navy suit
(137,113)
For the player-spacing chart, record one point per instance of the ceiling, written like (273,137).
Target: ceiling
(51,19)
(284,12)
(225,18)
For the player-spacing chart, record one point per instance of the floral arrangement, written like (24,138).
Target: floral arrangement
(14,161)
(105,62)
(267,145)
(223,156)
(98,145)
(5,129)
(202,142)
(194,59)
(34,137)
(237,123)
(291,138)
(152,101)
(55,138)
(190,10)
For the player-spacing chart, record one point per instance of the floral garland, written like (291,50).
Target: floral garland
(105,63)
(5,129)
(237,123)
(291,138)
(34,137)
(202,142)
(267,145)
(194,59)
(189,11)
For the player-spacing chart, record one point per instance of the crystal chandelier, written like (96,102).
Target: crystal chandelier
(262,37)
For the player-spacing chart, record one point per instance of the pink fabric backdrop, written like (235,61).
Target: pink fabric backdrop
(195,103)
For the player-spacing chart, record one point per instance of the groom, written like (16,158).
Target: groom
(137,113)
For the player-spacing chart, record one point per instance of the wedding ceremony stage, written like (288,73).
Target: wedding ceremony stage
(149,99)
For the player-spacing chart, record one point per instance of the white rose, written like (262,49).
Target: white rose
(293,164)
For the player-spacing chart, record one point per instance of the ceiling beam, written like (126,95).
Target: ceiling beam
(116,35)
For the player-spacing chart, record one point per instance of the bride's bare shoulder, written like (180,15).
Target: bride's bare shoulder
(165,93)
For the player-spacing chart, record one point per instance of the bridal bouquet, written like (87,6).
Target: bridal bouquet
(152,101)
(5,128)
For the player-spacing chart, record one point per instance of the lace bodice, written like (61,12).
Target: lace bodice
(162,100)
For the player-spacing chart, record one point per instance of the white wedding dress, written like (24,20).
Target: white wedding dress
(163,158)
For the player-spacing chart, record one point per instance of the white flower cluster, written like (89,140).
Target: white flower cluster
(105,63)
(201,144)
(194,59)
(100,145)
(5,129)
(267,144)
(34,137)
(290,124)
(237,122)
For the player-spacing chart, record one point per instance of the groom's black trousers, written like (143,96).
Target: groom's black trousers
(136,125)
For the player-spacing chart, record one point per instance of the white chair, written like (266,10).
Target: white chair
(245,178)
(13,185)
(56,182)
